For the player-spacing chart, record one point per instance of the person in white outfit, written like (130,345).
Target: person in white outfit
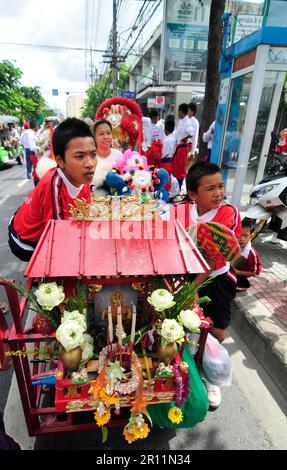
(152,129)
(207,137)
(192,108)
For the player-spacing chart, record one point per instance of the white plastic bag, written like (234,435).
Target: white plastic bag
(216,363)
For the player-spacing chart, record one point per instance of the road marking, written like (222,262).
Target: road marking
(4,199)
(21,184)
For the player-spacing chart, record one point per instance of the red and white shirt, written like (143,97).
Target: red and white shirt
(225,214)
(50,199)
(252,259)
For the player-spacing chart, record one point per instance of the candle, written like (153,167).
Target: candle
(110,320)
(119,324)
(134,319)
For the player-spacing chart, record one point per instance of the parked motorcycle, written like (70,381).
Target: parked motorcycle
(269,204)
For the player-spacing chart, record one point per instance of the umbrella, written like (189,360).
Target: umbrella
(4,119)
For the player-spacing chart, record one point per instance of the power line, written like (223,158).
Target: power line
(47,46)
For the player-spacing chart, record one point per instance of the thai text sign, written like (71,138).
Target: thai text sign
(185,40)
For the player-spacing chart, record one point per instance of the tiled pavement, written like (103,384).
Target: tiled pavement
(260,313)
(271,286)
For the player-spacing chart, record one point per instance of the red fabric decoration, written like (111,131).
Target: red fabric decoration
(154,153)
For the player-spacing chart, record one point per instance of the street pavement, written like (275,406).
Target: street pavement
(260,313)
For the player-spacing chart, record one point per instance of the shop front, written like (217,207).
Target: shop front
(252,110)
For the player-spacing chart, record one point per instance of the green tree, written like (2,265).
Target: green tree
(9,83)
(101,91)
(32,103)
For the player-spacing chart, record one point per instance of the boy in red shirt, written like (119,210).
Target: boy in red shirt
(75,153)
(205,188)
(248,264)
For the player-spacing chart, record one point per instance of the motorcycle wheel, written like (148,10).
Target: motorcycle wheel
(256,226)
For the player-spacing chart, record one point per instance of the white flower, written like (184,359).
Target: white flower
(190,319)
(87,347)
(70,335)
(171,330)
(75,316)
(50,295)
(161,299)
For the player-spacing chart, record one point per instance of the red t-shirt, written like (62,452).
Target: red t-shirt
(49,200)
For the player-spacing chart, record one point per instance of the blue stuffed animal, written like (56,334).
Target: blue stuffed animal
(161,178)
(116,184)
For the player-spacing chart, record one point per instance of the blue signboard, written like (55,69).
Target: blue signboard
(128,94)
(55,92)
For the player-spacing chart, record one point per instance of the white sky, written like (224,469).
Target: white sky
(61,23)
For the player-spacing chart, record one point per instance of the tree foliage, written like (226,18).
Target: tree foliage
(101,91)
(22,101)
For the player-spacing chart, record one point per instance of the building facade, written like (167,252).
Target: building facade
(74,105)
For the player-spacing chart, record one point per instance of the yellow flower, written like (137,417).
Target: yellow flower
(129,436)
(141,433)
(103,419)
(109,399)
(175,415)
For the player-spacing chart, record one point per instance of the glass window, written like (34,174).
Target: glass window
(233,135)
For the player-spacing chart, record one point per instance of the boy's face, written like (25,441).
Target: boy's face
(209,194)
(245,237)
(80,160)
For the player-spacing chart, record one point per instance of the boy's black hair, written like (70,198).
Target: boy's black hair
(193,107)
(67,130)
(197,171)
(169,117)
(246,223)
(183,108)
(153,113)
(169,126)
(33,124)
(100,122)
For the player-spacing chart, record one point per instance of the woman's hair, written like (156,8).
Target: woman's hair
(100,122)
(67,130)
(197,171)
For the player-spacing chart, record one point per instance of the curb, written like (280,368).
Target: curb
(256,326)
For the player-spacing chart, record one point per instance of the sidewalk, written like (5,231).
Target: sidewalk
(260,314)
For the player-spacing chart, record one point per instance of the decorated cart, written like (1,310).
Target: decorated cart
(116,325)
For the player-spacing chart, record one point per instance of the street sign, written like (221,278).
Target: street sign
(128,94)
(55,92)
(159,102)
(151,102)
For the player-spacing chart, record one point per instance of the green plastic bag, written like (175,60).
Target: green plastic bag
(194,409)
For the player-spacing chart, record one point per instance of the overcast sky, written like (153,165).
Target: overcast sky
(61,23)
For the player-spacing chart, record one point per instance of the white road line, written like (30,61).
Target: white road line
(19,185)
(4,199)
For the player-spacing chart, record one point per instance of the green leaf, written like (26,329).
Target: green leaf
(105,433)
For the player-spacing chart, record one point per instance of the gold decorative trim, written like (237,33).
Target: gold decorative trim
(114,208)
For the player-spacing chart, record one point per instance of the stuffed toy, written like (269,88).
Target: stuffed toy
(125,116)
(161,178)
(116,184)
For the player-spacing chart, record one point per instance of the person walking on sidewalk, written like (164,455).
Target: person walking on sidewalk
(248,264)
(205,189)
(29,141)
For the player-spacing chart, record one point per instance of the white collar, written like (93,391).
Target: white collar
(73,191)
(206,217)
(245,251)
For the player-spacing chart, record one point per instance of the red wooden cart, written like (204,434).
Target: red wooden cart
(95,253)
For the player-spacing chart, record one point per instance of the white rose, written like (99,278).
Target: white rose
(171,330)
(87,348)
(190,319)
(75,316)
(70,335)
(50,295)
(161,299)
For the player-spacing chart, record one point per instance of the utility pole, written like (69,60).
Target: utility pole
(114,55)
